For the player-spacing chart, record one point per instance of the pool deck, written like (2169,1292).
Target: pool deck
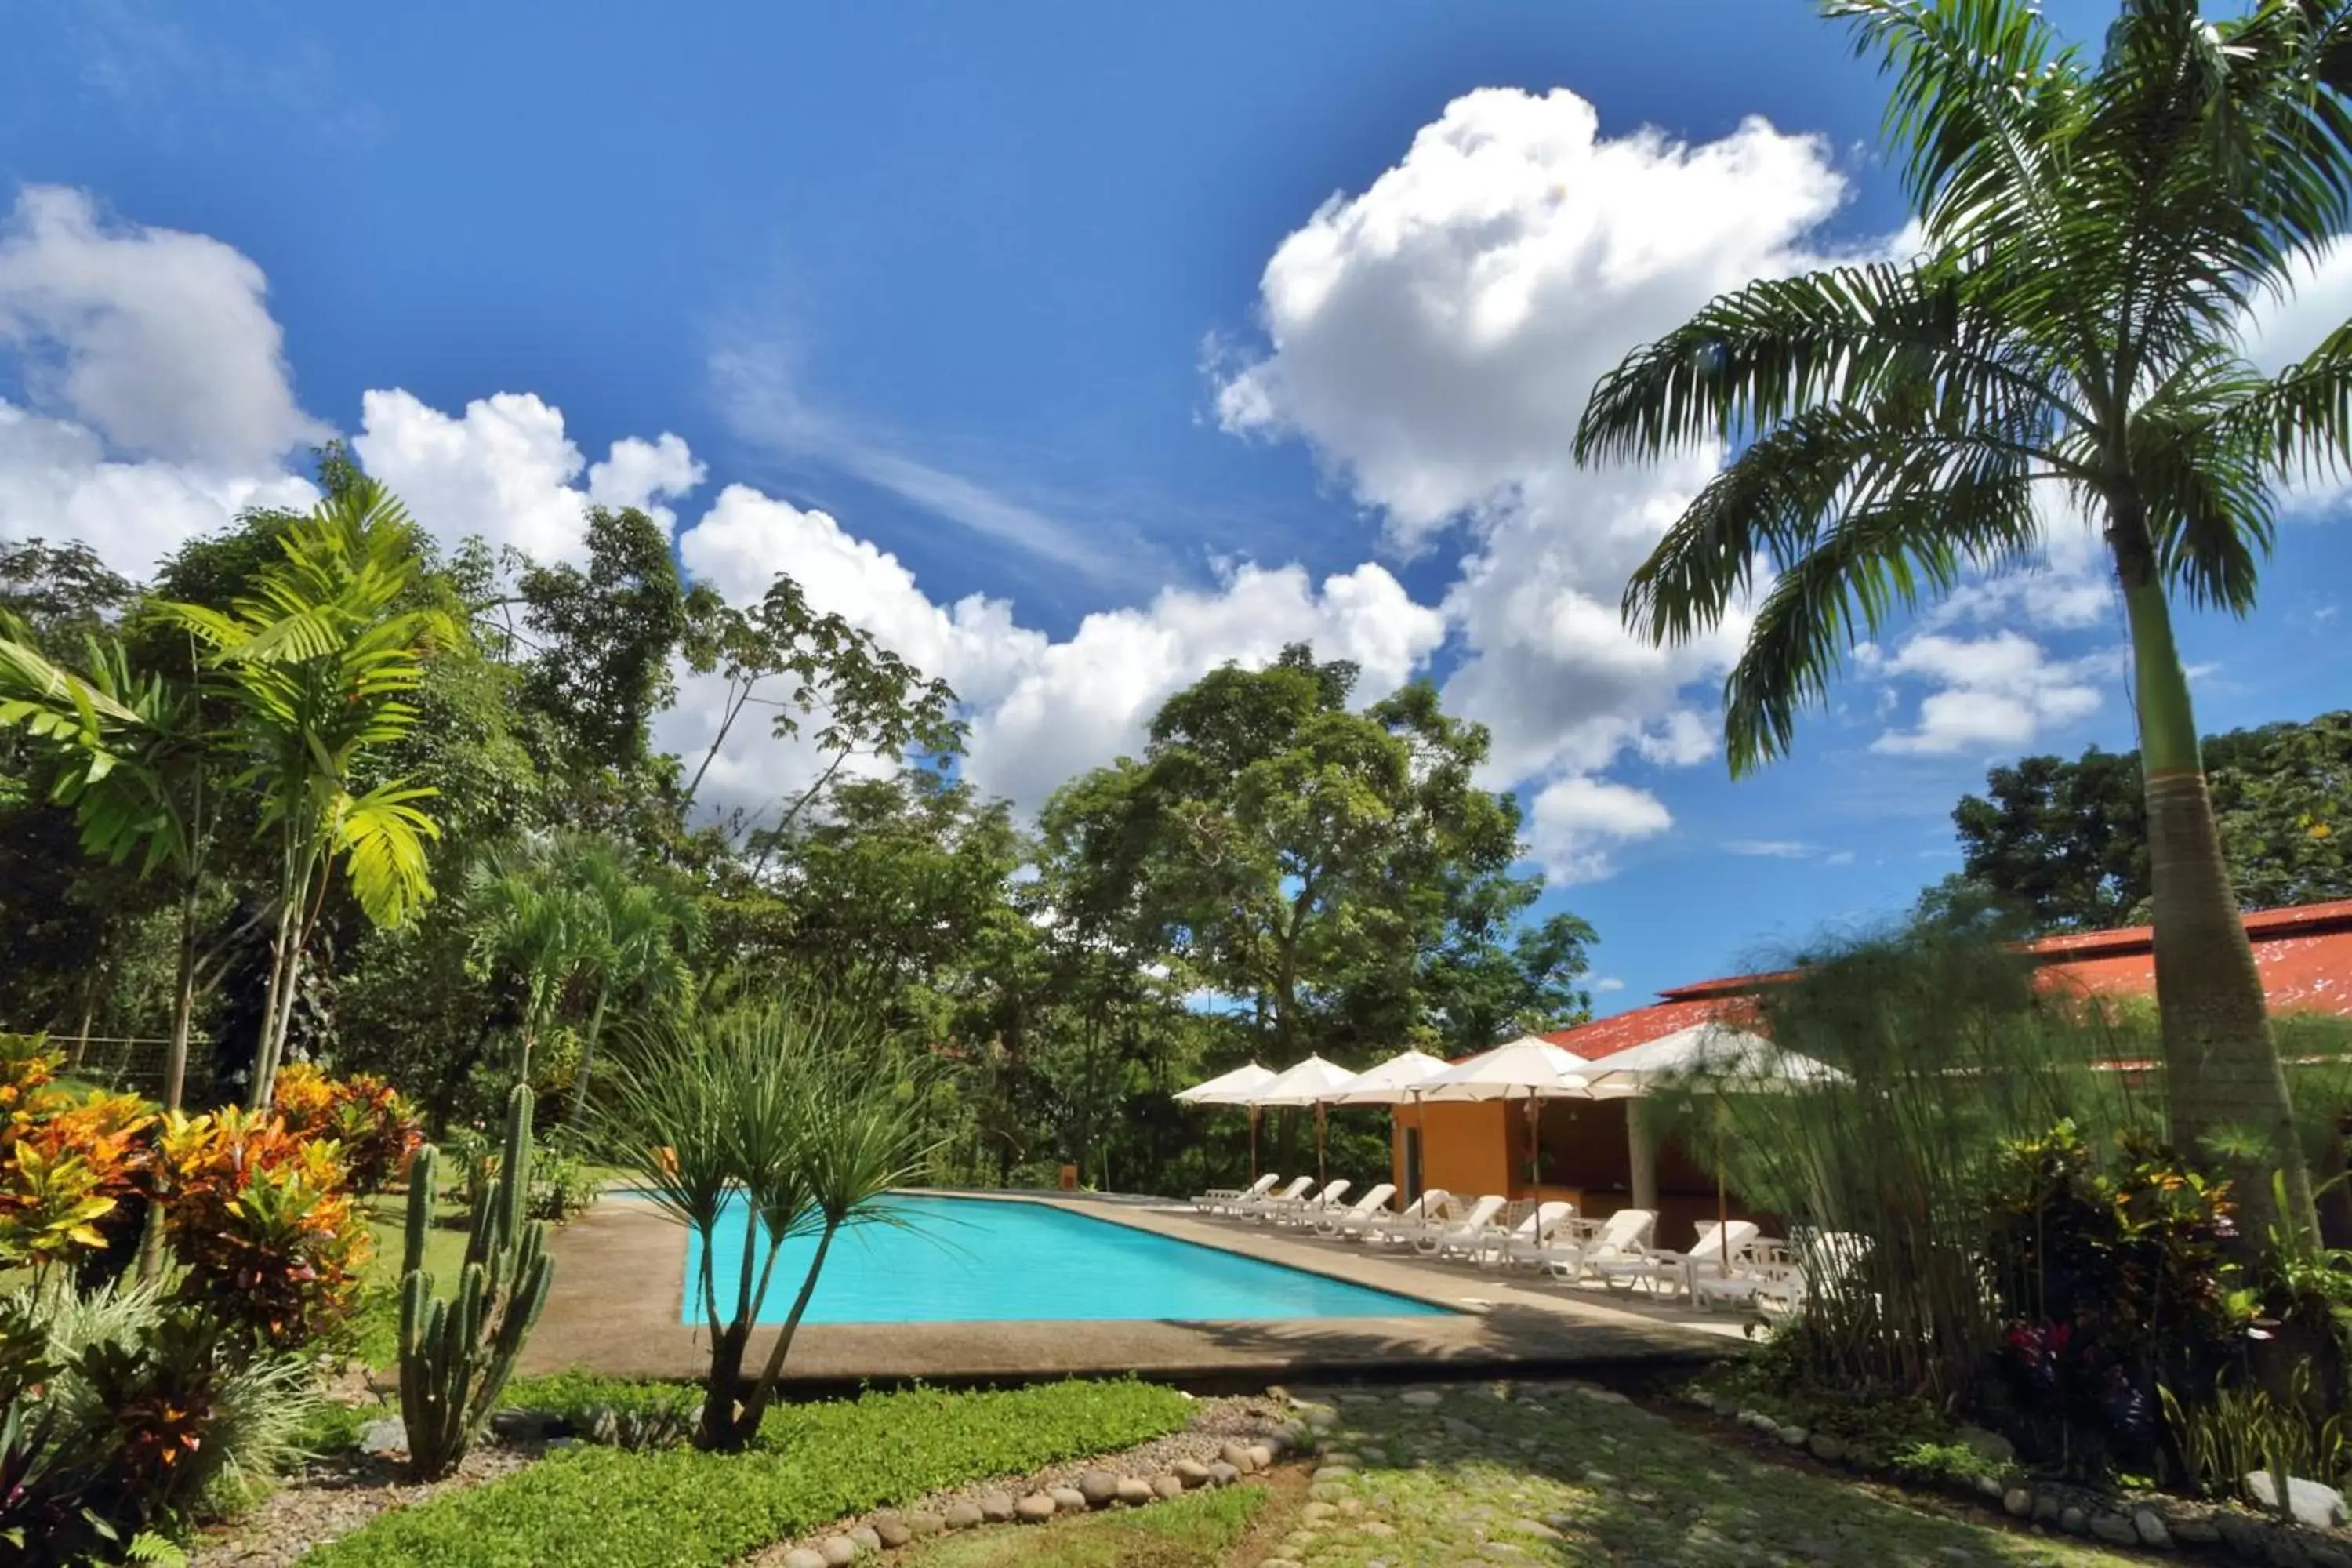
(620,1270)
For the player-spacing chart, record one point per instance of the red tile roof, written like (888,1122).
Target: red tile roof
(2304,954)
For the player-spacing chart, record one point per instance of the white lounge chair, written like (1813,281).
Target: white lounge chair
(1256,1208)
(1762,1268)
(1676,1270)
(1623,1236)
(1433,1208)
(1221,1200)
(1526,1242)
(1811,1265)
(1464,1236)
(1351,1220)
(1309,1210)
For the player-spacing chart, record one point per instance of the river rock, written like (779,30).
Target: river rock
(1069,1499)
(838,1550)
(386,1436)
(2312,1503)
(1826,1448)
(1034,1508)
(1423,1397)
(2148,1525)
(890,1531)
(2017,1502)
(1167,1487)
(923,1522)
(962,1515)
(1100,1487)
(804,1557)
(1221,1474)
(1192,1472)
(865,1538)
(1261,1455)
(996,1507)
(1237,1454)
(2113,1529)
(2073,1520)
(1134,1490)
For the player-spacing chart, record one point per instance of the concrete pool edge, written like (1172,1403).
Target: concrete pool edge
(619,1289)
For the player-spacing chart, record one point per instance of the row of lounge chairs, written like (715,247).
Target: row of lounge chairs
(1728,1264)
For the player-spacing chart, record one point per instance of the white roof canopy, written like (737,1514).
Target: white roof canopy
(1228,1088)
(1394,1082)
(1526,1068)
(1731,1058)
(1304,1083)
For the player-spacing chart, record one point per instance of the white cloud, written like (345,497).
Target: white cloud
(56,482)
(159,341)
(1992,694)
(1772,848)
(1576,821)
(1434,338)
(1607,983)
(1045,710)
(506,470)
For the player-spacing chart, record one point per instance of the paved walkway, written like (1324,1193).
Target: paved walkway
(620,1276)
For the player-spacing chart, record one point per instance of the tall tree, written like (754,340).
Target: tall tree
(2064,842)
(2093,231)
(316,662)
(1296,856)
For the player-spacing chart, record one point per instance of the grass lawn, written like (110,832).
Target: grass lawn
(602,1508)
(373,1332)
(1196,1531)
(1563,1478)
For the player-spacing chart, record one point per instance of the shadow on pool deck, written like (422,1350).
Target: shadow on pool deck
(620,1273)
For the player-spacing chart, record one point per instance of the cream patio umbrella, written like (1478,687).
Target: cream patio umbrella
(1232,1088)
(1731,1060)
(1396,1081)
(1526,1068)
(1314,1082)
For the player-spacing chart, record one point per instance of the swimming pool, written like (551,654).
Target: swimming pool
(990,1260)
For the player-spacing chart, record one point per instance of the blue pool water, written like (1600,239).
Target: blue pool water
(983,1260)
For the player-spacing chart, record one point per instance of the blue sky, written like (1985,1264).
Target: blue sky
(1074,349)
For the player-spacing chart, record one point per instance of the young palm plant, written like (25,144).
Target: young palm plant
(753,1130)
(2093,231)
(642,921)
(316,662)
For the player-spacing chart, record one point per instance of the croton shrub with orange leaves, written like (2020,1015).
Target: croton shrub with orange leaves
(262,1221)
(71,1168)
(258,1210)
(375,1127)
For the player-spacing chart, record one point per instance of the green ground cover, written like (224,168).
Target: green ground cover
(1196,1531)
(1545,1475)
(602,1508)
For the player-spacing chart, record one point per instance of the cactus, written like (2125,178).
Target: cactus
(456,1354)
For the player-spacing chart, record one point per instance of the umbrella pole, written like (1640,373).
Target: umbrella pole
(1253,1135)
(1722,1203)
(1319,1176)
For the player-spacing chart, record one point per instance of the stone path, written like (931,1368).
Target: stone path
(1558,1473)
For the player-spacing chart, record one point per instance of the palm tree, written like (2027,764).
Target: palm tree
(536,927)
(134,763)
(641,923)
(315,663)
(2094,232)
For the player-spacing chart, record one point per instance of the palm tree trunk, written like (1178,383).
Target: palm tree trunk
(578,1106)
(2225,1090)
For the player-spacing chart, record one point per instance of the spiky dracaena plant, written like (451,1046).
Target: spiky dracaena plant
(786,1112)
(456,1354)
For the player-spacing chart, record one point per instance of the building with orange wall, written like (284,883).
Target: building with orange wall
(1598,1154)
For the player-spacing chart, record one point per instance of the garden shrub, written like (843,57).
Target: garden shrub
(2114,1284)
(73,1171)
(263,1225)
(129,1416)
(687,1508)
(368,1119)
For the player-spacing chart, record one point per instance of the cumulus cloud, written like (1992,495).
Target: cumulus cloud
(157,400)
(161,342)
(1043,710)
(1576,823)
(1993,693)
(505,470)
(1433,338)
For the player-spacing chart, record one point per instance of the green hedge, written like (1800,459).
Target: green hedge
(601,1508)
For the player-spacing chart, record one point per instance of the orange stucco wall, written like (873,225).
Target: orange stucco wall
(1461,1148)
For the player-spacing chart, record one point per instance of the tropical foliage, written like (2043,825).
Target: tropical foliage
(2093,230)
